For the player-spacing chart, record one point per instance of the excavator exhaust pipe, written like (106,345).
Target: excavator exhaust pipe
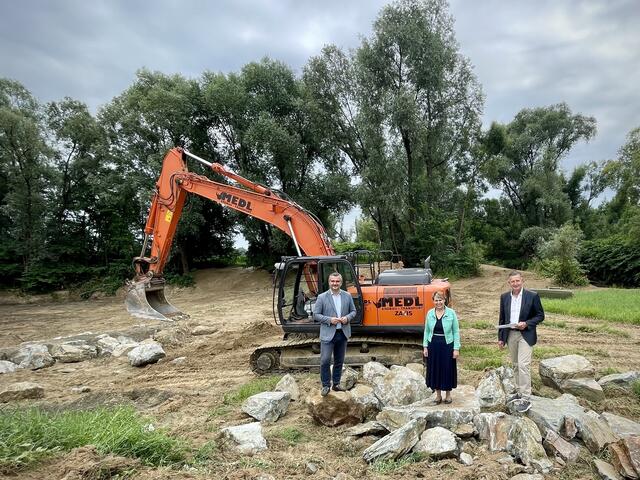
(145,299)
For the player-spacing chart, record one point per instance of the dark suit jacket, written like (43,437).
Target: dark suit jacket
(530,312)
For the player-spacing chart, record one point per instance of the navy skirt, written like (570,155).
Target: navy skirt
(442,372)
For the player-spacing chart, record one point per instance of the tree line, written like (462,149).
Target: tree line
(392,126)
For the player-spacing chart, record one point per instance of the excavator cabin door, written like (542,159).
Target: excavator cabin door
(303,279)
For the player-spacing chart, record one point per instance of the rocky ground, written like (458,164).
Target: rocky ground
(186,398)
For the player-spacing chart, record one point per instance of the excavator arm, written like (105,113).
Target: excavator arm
(145,293)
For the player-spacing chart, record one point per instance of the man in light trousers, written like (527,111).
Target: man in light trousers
(522,311)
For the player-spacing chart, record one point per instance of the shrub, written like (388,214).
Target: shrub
(558,256)
(612,261)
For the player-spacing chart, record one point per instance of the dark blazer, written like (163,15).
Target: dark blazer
(530,312)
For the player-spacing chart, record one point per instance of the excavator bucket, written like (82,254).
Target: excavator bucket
(145,299)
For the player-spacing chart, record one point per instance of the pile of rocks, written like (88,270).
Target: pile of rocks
(394,406)
(142,345)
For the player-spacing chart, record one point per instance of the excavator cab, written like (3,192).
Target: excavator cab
(298,283)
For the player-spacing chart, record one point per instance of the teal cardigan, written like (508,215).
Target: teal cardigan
(449,324)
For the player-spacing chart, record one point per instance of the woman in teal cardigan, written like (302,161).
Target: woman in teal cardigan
(441,348)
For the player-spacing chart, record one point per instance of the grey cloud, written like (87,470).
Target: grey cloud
(525,54)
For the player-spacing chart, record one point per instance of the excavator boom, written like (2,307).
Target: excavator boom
(145,293)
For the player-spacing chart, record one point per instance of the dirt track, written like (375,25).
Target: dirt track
(182,398)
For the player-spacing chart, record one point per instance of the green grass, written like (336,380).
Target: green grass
(479,357)
(480,325)
(554,324)
(27,436)
(602,328)
(291,435)
(257,385)
(611,304)
(608,371)
(635,388)
(385,467)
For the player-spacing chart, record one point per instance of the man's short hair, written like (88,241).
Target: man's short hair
(335,274)
(514,273)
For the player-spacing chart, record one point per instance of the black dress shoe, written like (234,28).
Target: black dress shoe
(325,391)
(339,388)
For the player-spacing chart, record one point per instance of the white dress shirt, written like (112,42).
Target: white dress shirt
(516,304)
(337,302)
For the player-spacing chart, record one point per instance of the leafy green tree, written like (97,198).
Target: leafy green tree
(526,157)
(24,174)
(624,176)
(154,114)
(263,119)
(404,109)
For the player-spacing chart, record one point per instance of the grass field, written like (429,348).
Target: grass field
(26,436)
(611,304)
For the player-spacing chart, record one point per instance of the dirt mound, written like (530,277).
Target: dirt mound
(232,279)
(85,463)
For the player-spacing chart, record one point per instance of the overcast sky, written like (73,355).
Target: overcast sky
(525,53)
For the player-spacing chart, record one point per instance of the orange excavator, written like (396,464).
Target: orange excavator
(391,302)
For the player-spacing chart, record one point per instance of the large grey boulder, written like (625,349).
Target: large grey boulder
(368,428)
(437,442)
(21,391)
(105,344)
(33,357)
(525,443)
(631,447)
(288,384)
(401,386)
(267,406)
(349,378)
(595,432)
(73,352)
(373,371)
(416,367)
(335,409)
(621,380)
(204,330)
(490,392)
(621,461)
(556,446)
(244,439)
(7,367)
(621,426)
(397,443)
(494,429)
(450,416)
(364,396)
(583,387)
(555,371)
(606,470)
(126,344)
(550,414)
(146,353)
(508,378)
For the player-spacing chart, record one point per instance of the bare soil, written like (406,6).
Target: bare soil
(186,399)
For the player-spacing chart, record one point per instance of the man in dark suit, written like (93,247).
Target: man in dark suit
(334,309)
(522,310)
